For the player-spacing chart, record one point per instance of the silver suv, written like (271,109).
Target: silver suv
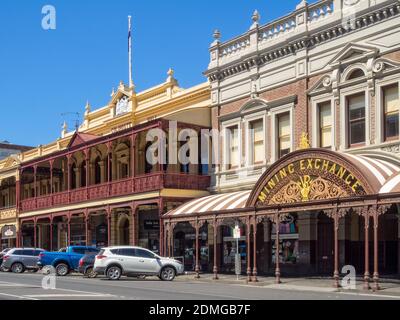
(135,261)
(20,259)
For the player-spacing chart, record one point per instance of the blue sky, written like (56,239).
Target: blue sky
(46,73)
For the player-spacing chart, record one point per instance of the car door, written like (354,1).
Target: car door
(147,261)
(128,260)
(75,255)
(29,258)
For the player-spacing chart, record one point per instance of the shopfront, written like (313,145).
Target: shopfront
(8,236)
(312,212)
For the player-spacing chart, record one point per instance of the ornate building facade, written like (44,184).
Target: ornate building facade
(93,186)
(309,109)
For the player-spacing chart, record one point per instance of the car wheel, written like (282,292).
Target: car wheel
(17,267)
(62,269)
(4,269)
(90,273)
(168,274)
(114,273)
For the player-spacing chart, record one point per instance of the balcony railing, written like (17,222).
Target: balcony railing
(140,184)
(8,212)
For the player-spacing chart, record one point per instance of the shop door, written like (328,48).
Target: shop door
(325,250)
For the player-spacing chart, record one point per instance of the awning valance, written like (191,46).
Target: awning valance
(213,203)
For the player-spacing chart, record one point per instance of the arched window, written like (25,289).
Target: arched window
(355,74)
(148,166)
(73,176)
(97,171)
(83,174)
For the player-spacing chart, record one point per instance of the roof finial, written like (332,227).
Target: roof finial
(256,18)
(217,37)
(87,108)
(113,92)
(64,129)
(170,74)
(302,4)
(217,34)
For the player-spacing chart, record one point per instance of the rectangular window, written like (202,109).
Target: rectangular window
(257,138)
(356,119)
(325,125)
(233,147)
(284,139)
(391,112)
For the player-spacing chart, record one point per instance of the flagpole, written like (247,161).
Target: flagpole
(130,50)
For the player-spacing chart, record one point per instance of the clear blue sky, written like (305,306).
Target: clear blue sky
(45,73)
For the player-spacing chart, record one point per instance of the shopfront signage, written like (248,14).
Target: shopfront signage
(309,179)
(8,232)
(152,224)
(236,233)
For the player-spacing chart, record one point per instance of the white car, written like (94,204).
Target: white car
(114,262)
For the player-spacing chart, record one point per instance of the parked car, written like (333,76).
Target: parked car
(114,262)
(65,260)
(86,265)
(20,259)
(2,254)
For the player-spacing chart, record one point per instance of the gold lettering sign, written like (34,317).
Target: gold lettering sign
(310,178)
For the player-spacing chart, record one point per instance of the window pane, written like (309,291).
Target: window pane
(284,125)
(258,141)
(284,141)
(325,125)
(357,132)
(325,115)
(356,107)
(392,125)
(356,118)
(391,110)
(391,98)
(233,146)
(326,137)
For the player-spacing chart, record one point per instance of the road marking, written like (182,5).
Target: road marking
(57,289)
(66,295)
(371,295)
(18,297)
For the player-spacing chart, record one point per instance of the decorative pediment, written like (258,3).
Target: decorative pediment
(352,53)
(12,161)
(382,65)
(323,84)
(80,138)
(122,91)
(252,104)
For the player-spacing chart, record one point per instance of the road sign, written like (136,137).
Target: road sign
(236,232)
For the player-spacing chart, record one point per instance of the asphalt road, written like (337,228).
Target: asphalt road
(28,286)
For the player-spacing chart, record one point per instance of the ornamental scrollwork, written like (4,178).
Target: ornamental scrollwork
(308,189)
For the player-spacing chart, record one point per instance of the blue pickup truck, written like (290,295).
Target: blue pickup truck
(65,260)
